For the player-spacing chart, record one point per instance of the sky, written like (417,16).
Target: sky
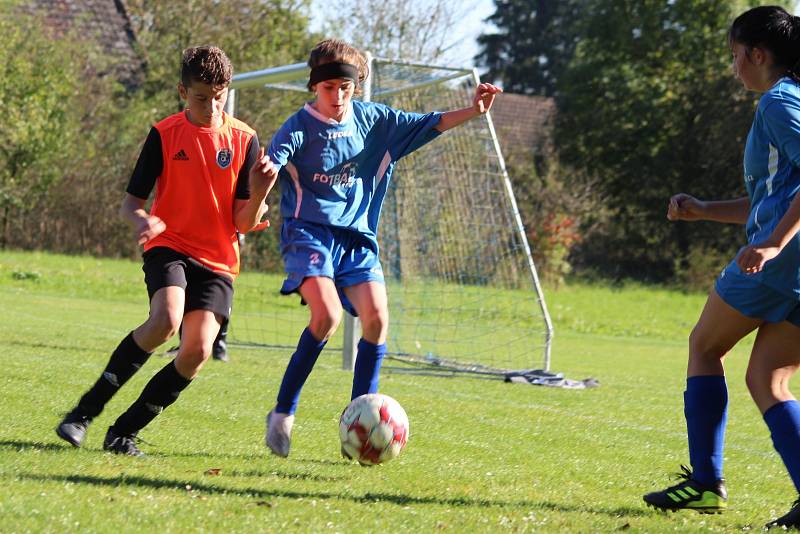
(468,31)
(464,34)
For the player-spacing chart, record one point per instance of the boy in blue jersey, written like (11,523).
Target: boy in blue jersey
(760,288)
(335,157)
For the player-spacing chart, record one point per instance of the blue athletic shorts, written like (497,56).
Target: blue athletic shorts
(753,299)
(346,257)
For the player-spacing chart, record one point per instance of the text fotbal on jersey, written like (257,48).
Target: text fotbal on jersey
(346,176)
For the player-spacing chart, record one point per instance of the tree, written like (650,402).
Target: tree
(649,107)
(255,34)
(39,86)
(413,30)
(534,42)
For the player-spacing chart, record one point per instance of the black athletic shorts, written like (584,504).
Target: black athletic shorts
(205,289)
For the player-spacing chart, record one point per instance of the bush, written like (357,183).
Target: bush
(557,208)
(700,267)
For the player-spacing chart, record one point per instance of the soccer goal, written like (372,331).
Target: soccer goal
(464,294)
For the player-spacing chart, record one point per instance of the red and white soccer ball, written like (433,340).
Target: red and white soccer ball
(373,429)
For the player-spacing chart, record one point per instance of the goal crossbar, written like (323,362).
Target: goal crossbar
(294,77)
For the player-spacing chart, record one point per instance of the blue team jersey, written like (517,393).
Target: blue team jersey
(772,178)
(336,173)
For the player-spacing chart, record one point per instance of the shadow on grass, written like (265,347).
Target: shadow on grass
(322,462)
(262,473)
(203,455)
(36,445)
(368,498)
(52,346)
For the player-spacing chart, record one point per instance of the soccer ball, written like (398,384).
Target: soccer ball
(373,429)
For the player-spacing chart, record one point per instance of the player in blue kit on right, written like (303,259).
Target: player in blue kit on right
(335,157)
(760,289)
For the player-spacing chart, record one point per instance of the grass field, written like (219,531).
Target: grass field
(484,456)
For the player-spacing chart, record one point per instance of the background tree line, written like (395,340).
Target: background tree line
(647,107)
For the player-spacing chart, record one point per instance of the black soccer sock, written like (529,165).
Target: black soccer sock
(222,336)
(162,390)
(126,359)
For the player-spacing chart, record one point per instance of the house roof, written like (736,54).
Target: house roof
(106,21)
(524,123)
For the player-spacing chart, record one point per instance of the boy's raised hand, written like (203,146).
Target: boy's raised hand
(263,175)
(484,97)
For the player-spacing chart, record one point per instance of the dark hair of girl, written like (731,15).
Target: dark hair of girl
(771,28)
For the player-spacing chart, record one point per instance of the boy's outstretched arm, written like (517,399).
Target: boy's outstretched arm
(484,98)
(145,226)
(248,213)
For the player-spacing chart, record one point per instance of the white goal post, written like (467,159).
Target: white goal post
(464,293)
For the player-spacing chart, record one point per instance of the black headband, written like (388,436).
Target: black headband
(332,71)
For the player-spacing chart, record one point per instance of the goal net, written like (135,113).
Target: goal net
(463,290)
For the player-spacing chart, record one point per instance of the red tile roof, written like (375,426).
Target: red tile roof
(106,21)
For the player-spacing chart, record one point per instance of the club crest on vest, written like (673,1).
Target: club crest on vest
(224,157)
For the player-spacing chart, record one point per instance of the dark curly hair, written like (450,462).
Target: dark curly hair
(206,64)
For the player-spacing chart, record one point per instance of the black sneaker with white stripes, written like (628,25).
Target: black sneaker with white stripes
(73,427)
(121,444)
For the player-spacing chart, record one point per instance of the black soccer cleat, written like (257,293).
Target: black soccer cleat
(690,495)
(121,444)
(73,427)
(220,351)
(789,521)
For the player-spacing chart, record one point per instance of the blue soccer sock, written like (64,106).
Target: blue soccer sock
(367,369)
(706,410)
(783,421)
(300,366)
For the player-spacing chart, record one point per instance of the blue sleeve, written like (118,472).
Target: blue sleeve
(406,132)
(286,142)
(782,122)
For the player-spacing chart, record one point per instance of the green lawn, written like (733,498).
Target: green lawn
(483,455)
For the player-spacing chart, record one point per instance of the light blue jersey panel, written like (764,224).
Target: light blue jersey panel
(336,173)
(772,178)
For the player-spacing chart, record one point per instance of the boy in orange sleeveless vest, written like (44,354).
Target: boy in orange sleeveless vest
(211,180)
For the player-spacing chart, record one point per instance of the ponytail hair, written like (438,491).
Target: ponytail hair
(771,28)
(794,70)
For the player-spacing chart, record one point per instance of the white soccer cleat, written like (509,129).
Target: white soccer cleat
(279,433)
